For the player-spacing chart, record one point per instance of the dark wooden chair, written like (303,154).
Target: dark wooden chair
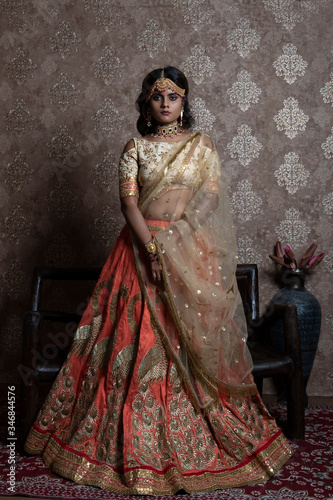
(47,337)
(44,353)
(267,362)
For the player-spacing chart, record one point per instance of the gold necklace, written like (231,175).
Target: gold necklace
(167,131)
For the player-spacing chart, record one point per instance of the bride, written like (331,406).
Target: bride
(156,394)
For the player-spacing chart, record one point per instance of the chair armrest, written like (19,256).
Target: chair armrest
(50,273)
(33,350)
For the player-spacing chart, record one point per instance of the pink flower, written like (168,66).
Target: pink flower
(286,257)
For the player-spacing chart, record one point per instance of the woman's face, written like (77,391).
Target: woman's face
(165,107)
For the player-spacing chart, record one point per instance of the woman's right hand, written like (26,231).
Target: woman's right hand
(156,269)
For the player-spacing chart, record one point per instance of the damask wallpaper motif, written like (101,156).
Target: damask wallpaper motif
(261,84)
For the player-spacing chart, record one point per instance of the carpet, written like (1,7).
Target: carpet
(307,476)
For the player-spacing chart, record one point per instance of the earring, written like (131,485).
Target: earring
(148,120)
(181,117)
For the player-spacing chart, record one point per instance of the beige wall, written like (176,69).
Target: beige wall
(260,74)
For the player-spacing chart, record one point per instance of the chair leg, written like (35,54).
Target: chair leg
(295,407)
(28,407)
(29,384)
(259,383)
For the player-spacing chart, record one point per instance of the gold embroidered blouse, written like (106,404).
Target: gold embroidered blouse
(137,165)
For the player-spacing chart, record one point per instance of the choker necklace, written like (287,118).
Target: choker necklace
(167,131)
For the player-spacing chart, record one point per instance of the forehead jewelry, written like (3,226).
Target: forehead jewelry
(163,84)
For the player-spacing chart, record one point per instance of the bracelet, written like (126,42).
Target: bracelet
(150,247)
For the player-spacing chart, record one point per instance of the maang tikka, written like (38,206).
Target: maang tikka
(162,84)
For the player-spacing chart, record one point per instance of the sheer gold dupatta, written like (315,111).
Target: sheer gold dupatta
(206,334)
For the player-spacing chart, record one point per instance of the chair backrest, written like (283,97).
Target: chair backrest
(57,310)
(48,273)
(247,281)
(246,274)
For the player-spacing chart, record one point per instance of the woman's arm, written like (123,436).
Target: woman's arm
(135,220)
(137,224)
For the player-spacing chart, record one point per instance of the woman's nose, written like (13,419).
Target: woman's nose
(165,102)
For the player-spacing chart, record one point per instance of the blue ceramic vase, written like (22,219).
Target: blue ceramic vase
(309,318)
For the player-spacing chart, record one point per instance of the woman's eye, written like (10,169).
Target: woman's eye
(173,97)
(156,97)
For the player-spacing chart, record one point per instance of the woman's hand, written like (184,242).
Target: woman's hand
(156,268)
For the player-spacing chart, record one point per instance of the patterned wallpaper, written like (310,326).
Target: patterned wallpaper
(261,84)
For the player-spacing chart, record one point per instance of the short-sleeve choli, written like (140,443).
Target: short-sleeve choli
(137,165)
(128,174)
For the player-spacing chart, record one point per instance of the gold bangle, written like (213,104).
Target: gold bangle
(150,247)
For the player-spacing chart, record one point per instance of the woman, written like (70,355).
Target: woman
(156,394)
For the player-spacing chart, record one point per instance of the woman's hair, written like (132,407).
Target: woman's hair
(143,107)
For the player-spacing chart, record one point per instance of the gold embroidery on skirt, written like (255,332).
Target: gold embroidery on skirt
(81,470)
(95,297)
(110,437)
(85,337)
(83,333)
(122,364)
(101,353)
(59,401)
(148,430)
(185,428)
(153,366)
(124,291)
(113,307)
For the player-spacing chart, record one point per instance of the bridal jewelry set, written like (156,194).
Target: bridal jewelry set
(167,131)
(172,129)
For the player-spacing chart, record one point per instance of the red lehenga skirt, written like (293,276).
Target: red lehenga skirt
(119,417)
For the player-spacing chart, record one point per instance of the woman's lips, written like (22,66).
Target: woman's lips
(166,113)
